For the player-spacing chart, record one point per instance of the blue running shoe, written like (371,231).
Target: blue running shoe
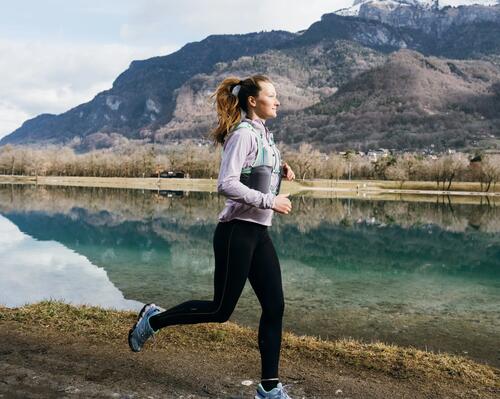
(142,331)
(276,393)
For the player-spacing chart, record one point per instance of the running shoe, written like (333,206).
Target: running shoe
(141,330)
(276,393)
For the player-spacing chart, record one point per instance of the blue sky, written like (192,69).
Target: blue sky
(57,54)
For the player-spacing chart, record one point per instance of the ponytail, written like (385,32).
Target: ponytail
(231,98)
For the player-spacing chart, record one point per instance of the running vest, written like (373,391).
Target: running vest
(264,174)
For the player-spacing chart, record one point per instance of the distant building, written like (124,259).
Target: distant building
(172,174)
(375,155)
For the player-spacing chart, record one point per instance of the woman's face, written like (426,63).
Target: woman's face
(266,104)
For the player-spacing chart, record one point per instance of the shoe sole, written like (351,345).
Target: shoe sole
(139,317)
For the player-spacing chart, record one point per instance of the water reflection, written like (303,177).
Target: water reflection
(34,270)
(421,274)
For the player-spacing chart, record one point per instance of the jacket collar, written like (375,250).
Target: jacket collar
(259,124)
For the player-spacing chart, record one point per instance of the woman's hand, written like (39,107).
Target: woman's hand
(288,172)
(282,204)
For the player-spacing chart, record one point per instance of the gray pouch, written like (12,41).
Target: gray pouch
(259,178)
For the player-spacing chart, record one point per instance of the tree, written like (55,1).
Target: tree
(490,170)
(453,165)
(447,168)
(397,172)
(305,161)
(7,159)
(335,167)
(362,167)
(381,165)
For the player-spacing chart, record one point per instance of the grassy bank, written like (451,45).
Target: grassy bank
(110,327)
(209,185)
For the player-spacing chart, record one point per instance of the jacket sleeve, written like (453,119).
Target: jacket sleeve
(236,150)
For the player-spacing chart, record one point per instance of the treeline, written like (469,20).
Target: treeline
(145,160)
(201,161)
(443,169)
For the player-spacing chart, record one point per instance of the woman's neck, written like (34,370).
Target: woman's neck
(254,117)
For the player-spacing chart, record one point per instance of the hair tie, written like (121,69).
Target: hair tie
(236,90)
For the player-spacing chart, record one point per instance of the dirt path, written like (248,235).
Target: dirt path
(39,362)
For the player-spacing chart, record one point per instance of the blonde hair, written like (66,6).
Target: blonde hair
(229,105)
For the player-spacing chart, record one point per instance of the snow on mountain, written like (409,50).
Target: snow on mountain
(457,3)
(385,4)
(390,5)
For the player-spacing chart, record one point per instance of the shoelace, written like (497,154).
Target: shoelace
(284,392)
(143,331)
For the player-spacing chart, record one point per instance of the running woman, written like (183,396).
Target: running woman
(250,176)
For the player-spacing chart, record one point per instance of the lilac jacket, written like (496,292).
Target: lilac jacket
(243,203)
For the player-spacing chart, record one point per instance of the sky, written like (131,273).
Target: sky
(56,54)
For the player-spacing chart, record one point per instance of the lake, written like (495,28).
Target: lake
(422,274)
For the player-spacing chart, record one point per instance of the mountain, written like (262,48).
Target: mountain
(316,70)
(304,74)
(462,39)
(360,6)
(142,95)
(411,101)
(424,15)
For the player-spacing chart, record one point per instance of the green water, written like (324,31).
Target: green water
(415,274)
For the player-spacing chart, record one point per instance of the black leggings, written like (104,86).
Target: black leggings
(242,249)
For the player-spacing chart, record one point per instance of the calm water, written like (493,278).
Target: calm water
(419,274)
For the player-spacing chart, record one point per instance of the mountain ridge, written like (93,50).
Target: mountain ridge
(164,97)
(146,95)
(380,113)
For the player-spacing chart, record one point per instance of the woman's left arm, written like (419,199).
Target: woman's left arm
(287,172)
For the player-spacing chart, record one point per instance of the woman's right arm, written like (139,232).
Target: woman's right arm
(236,150)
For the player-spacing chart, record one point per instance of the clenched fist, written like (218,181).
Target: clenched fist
(282,204)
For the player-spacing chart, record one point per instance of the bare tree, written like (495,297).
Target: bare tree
(7,159)
(335,167)
(490,170)
(453,165)
(447,168)
(397,172)
(305,161)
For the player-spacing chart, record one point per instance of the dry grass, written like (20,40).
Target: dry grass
(295,187)
(111,327)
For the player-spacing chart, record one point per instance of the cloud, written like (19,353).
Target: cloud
(193,19)
(34,270)
(54,77)
(11,117)
(51,74)
(60,63)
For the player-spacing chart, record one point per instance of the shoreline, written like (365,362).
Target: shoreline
(84,350)
(315,188)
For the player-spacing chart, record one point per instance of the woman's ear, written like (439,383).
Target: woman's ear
(251,101)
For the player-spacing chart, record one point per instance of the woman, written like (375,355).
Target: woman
(249,176)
